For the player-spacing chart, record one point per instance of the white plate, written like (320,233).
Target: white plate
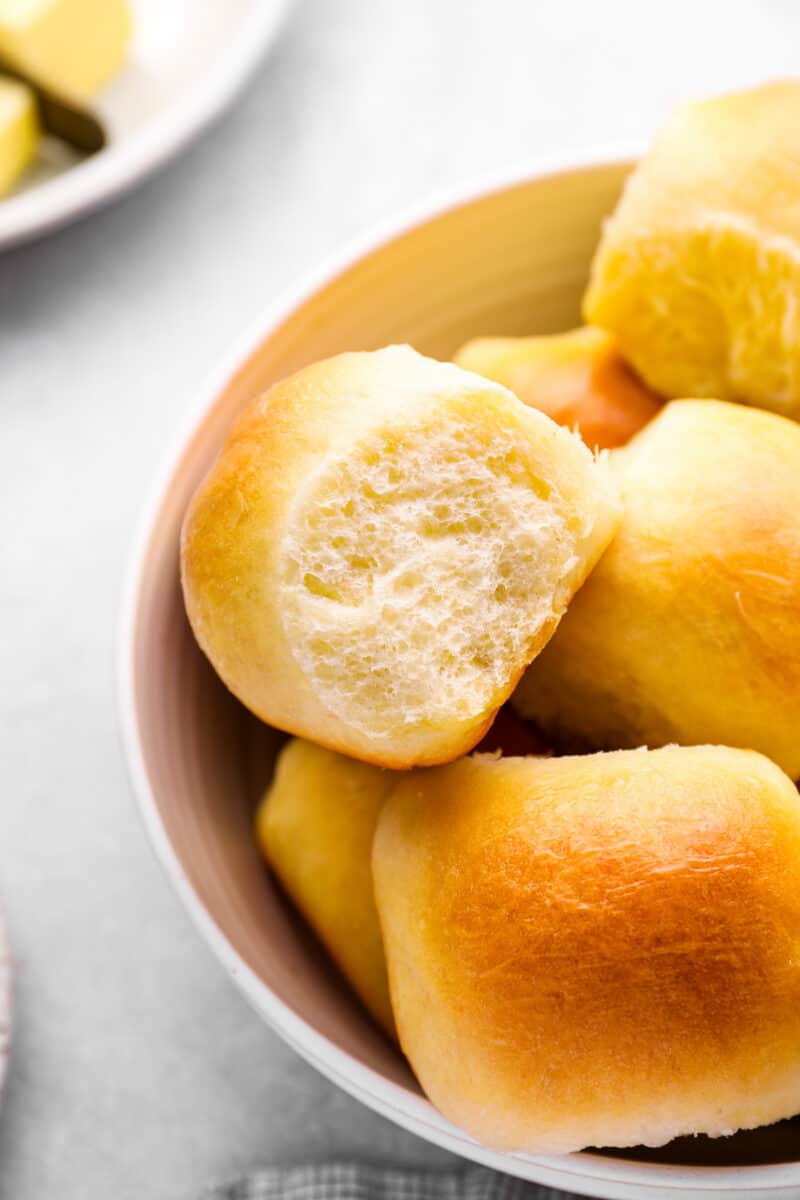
(187,61)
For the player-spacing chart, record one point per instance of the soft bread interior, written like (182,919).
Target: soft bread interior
(383,546)
(698,270)
(423,567)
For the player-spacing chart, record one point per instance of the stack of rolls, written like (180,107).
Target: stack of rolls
(533,619)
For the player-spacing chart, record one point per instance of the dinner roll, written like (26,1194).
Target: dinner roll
(596,951)
(698,271)
(689,628)
(383,545)
(315,827)
(579,378)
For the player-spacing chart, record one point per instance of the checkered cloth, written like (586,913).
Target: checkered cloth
(347,1181)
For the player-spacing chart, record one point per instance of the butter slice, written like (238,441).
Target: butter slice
(69,45)
(19,131)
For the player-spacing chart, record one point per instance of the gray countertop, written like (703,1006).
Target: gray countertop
(137,1070)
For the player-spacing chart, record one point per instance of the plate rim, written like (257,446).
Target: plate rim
(98,180)
(588,1172)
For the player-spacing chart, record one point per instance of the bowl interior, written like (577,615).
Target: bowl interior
(513,261)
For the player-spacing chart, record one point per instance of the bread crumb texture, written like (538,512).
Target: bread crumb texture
(422,567)
(698,270)
(382,547)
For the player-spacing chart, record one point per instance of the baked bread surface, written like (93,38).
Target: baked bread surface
(697,273)
(599,950)
(383,545)
(578,378)
(315,827)
(689,628)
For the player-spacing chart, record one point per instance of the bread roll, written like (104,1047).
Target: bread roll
(383,545)
(579,379)
(315,827)
(689,628)
(596,951)
(698,271)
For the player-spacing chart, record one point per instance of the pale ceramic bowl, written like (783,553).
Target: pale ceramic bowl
(511,259)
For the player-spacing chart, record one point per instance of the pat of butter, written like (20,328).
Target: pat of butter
(68,45)
(19,131)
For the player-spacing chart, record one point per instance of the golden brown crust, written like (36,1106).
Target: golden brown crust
(579,379)
(259,499)
(315,827)
(688,629)
(596,951)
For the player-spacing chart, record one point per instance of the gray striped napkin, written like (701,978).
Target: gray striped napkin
(350,1181)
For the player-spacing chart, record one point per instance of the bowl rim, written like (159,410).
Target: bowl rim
(587,1171)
